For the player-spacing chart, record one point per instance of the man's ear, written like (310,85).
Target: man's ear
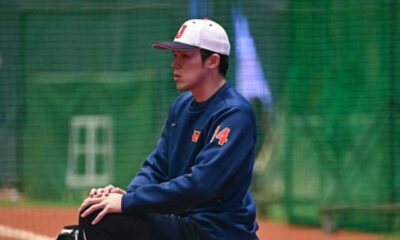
(213,61)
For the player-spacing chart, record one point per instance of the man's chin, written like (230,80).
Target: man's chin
(181,87)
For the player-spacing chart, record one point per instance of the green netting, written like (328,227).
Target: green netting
(53,99)
(330,138)
(90,62)
(338,143)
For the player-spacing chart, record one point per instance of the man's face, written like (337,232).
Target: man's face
(189,70)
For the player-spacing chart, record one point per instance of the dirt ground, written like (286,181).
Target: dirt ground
(49,220)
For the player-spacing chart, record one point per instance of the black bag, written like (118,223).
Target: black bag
(69,233)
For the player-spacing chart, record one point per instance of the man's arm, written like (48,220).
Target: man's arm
(229,144)
(109,198)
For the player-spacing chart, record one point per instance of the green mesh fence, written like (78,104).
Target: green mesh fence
(83,97)
(93,63)
(336,138)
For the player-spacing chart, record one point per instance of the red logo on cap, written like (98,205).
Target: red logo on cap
(179,34)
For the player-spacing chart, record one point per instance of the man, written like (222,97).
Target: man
(195,184)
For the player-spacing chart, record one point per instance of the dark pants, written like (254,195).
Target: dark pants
(132,226)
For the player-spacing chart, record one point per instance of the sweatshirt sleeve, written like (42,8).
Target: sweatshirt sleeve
(229,142)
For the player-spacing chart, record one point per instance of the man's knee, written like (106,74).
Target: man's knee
(119,225)
(87,221)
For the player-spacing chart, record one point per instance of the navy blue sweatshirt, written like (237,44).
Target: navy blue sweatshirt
(202,166)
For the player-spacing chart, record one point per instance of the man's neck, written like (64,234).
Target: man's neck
(207,90)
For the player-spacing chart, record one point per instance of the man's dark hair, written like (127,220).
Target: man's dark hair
(224,63)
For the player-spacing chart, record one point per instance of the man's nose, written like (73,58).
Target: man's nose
(175,64)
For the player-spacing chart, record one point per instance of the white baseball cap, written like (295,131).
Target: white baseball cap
(199,33)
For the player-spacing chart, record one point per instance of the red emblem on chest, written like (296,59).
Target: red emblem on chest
(195,135)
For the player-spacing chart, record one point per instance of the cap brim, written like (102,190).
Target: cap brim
(174,46)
